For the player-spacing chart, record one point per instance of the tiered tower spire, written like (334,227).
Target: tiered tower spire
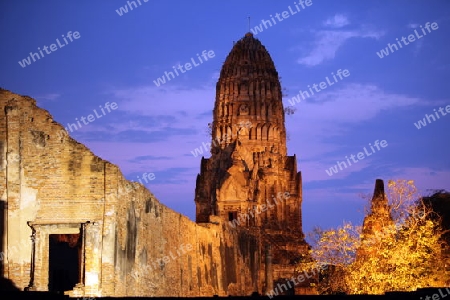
(249,182)
(249,93)
(249,165)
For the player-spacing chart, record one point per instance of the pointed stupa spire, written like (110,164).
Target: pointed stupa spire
(379,215)
(249,90)
(249,181)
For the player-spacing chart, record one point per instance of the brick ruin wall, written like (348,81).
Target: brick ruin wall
(133,246)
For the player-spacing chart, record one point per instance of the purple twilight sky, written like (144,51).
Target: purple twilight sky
(116,54)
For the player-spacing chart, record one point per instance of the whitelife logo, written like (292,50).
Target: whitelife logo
(436,296)
(281,287)
(188,66)
(411,38)
(124,9)
(217,141)
(159,263)
(284,15)
(258,209)
(91,118)
(323,85)
(360,156)
(71,36)
(423,122)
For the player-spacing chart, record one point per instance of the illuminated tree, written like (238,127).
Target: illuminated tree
(337,249)
(402,255)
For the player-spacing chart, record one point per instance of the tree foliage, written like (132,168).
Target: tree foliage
(402,256)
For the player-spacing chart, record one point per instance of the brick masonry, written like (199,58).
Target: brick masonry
(51,184)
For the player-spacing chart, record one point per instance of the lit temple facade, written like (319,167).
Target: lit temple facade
(249,181)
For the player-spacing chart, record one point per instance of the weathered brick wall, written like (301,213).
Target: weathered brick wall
(134,245)
(46,178)
(162,253)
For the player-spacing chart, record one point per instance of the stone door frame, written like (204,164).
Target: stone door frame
(40,252)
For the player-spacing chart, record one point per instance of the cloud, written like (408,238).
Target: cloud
(152,131)
(324,132)
(351,103)
(328,42)
(93,133)
(150,114)
(329,115)
(139,159)
(337,21)
(49,97)
(168,100)
(174,175)
(317,168)
(418,47)
(174,104)
(426,179)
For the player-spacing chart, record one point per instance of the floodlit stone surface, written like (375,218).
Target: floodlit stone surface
(379,216)
(132,245)
(249,181)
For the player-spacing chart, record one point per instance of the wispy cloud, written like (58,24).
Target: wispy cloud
(327,43)
(49,97)
(353,103)
(159,113)
(427,179)
(316,169)
(418,47)
(332,115)
(418,43)
(337,21)
(139,159)
(167,123)
(134,135)
(172,100)
(413,25)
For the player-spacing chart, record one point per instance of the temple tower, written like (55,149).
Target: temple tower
(249,181)
(378,219)
(379,216)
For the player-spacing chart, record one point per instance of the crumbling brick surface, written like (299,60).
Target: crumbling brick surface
(133,245)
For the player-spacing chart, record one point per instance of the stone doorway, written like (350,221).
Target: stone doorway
(58,256)
(64,262)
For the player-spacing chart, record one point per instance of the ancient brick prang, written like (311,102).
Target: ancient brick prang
(376,223)
(249,170)
(380,215)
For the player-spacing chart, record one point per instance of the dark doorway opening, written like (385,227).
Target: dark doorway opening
(64,262)
(232,215)
(285,286)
